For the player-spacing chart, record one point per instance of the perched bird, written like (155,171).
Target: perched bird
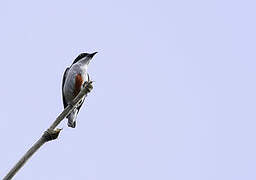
(72,82)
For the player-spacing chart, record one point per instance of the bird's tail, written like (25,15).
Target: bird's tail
(72,118)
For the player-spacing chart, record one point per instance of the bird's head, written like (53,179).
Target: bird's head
(84,58)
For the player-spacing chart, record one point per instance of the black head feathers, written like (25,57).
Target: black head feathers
(82,55)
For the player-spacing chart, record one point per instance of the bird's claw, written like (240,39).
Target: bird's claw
(88,85)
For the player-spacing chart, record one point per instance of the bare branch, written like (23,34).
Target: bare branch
(51,133)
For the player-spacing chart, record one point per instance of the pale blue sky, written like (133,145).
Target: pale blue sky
(174,96)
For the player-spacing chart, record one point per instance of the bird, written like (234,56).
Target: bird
(73,79)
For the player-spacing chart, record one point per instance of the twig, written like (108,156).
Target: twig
(51,133)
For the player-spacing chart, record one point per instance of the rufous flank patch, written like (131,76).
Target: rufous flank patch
(78,84)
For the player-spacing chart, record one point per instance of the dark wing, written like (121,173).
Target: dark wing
(65,104)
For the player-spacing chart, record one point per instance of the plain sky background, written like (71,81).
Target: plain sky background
(174,93)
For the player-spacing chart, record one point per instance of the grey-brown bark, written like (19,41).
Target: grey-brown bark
(51,133)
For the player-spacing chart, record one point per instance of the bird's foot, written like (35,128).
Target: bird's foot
(88,85)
